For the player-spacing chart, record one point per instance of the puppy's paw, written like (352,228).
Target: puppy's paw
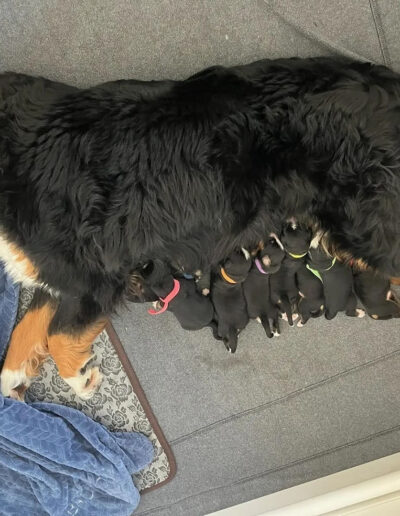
(295,316)
(276,334)
(85,385)
(14,383)
(284,316)
(360,312)
(205,291)
(300,324)
(258,319)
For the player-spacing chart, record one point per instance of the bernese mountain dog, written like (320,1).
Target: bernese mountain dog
(94,183)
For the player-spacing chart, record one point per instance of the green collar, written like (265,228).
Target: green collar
(315,272)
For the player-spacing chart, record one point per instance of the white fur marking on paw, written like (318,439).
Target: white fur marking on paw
(300,324)
(360,312)
(258,320)
(276,334)
(205,291)
(92,377)
(11,379)
(295,316)
(284,316)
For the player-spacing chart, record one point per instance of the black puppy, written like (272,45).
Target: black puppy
(228,297)
(284,292)
(256,288)
(337,280)
(180,297)
(374,292)
(311,292)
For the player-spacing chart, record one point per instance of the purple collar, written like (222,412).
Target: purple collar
(259,266)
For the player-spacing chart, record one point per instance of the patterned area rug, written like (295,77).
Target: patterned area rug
(120,403)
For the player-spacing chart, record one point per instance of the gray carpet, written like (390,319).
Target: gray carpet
(318,399)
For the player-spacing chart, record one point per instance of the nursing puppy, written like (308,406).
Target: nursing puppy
(374,292)
(228,297)
(180,297)
(284,292)
(311,292)
(256,287)
(337,281)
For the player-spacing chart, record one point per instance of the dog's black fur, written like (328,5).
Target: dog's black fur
(95,182)
(228,299)
(311,291)
(374,291)
(337,279)
(192,310)
(284,290)
(256,287)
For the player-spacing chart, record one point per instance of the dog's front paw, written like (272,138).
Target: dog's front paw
(360,312)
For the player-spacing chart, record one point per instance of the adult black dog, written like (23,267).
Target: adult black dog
(95,182)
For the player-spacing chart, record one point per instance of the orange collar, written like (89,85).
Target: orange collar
(226,277)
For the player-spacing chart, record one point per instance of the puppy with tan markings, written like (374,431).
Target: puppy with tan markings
(337,280)
(228,297)
(375,294)
(257,286)
(284,292)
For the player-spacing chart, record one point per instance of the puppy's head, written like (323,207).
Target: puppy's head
(272,254)
(146,281)
(296,238)
(237,265)
(318,259)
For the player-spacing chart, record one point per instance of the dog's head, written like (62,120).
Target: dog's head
(296,238)
(271,255)
(237,266)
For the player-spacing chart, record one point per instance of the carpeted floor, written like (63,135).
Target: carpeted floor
(318,399)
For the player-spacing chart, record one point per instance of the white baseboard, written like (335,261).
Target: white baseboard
(372,486)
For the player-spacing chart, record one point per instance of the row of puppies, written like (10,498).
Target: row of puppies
(291,274)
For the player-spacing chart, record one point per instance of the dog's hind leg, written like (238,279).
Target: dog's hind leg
(214,328)
(72,331)
(351,307)
(28,346)
(231,340)
(266,326)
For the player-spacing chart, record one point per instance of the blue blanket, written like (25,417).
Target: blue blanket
(54,460)
(9,294)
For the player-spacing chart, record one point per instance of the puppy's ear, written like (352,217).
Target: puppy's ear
(246,253)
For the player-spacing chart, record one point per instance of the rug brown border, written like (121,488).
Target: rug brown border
(145,404)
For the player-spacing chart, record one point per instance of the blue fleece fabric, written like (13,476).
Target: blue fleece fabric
(54,460)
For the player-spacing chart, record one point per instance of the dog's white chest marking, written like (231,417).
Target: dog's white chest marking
(16,265)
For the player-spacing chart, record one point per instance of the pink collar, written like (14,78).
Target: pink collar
(259,266)
(174,292)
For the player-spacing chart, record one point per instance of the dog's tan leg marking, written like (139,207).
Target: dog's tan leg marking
(71,353)
(27,350)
